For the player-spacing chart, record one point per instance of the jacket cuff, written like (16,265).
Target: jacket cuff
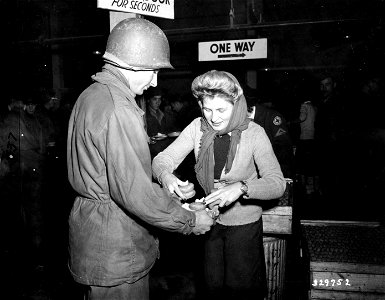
(189,222)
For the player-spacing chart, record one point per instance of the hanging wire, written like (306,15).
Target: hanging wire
(232,14)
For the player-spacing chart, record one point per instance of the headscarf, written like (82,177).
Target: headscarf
(238,122)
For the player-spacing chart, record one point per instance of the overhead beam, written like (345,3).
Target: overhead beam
(195,30)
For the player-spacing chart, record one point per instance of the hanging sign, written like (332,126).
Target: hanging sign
(155,8)
(233,49)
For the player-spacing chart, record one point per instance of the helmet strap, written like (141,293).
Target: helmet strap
(113,60)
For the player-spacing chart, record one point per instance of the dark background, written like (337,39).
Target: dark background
(55,43)
(59,44)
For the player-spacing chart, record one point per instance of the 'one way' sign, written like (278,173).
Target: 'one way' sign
(233,49)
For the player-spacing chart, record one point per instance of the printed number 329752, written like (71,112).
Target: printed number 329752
(331,282)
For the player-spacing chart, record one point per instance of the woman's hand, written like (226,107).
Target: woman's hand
(183,189)
(187,189)
(224,196)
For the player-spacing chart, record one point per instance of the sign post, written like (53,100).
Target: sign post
(233,49)
(116,17)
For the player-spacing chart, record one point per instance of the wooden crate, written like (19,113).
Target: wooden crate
(346,259)
(277,215)
(275,259)
(278,220)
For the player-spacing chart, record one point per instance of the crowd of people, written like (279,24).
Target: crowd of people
(33,131)
(128,177)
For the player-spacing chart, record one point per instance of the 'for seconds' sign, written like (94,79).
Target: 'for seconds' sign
(156,8)
(233,49)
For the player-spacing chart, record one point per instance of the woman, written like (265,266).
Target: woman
(235,164)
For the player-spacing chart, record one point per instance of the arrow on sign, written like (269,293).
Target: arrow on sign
(231,55)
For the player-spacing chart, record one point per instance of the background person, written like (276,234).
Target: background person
(157,120)
(305,155)
(227,146)
(276,128)
(22,149)
(112,245)
(329,125)
(330,132)
(49,114)
(185,110)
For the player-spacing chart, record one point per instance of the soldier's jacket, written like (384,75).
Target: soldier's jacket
(22,142)
(277,130)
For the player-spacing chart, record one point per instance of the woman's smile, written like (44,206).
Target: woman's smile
(216,124)
(217,111)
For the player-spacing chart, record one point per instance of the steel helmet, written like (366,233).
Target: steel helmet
(139,43)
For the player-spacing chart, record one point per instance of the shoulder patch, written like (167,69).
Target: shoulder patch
(280,132)
(277,120)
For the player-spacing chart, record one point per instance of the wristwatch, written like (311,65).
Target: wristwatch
(244,187)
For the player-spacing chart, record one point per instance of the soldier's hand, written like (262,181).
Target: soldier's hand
(203,222)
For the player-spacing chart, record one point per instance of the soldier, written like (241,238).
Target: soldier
(276,129)
(112,244)
(22,151)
